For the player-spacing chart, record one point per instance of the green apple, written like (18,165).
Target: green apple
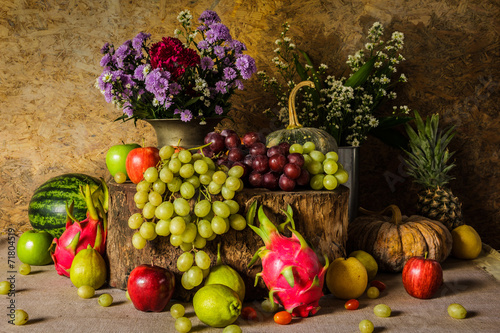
(117,156)
(368,261)
(33,248)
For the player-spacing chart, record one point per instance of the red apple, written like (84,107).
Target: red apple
(138,160)
(422,277)
(150,287)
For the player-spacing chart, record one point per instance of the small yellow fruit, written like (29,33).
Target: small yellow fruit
(346,278)
(368,261)
(466,242)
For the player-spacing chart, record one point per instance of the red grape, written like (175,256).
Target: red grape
(255,179)
(206,151)
(286,183)
(235,154)
(250,138)
(260,163)
(225,132)
(296,158)
(274,150)
(258,148)
(285,148)
(277,162)
(304,178)
(270,181)
(232,141)
(248,160)
(292,171)
(217,141)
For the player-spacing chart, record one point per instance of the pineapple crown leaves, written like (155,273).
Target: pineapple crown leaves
(428,155)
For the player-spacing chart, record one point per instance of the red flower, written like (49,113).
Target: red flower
(172,56)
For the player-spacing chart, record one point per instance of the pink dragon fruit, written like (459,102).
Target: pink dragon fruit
(291,270)
(79,234)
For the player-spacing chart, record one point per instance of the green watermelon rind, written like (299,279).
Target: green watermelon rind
(47,211)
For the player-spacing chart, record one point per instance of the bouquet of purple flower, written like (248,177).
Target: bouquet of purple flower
(168,79)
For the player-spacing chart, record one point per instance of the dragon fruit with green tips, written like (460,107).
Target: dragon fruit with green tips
(79,234)
(291,269)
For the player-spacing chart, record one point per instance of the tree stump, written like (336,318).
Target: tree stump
(320,216)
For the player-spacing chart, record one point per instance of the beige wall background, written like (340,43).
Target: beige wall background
(53,121)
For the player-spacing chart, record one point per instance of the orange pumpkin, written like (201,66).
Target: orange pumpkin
(393,240)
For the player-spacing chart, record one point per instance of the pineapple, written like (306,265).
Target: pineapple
(427,163)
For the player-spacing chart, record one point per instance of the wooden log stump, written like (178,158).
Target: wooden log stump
(320,216)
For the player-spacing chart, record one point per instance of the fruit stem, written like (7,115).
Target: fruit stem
(219,260)
(292,114)
(88,200)
(396,213)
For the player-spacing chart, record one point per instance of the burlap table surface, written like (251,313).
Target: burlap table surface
(53,305)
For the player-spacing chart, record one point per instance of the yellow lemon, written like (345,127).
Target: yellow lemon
(88,269)
(466,242)
(346,278)
(217,305)
(368,261)
(223,274)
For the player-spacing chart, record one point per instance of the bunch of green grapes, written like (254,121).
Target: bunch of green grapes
(324,169)
(181,199)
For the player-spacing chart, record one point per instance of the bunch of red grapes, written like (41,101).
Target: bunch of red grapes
(269,168)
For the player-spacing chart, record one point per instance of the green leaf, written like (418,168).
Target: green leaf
(360,77)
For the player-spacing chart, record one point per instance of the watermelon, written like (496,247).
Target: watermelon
(47,208)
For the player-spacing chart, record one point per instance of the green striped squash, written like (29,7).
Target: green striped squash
(47,208)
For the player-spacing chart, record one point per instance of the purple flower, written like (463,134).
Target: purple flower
(157,83)
(218,32)
(139,72)
(105,60)
(209,17)
(203,45)
(219,51)
(207,63)
(230,74)
(220,87)
(186,115)
(139,40)
(238,84)
(175,88)
(246,65)
(128,109)
(219,110)
(123,52)
(238,46)
(106,48)
(177,111)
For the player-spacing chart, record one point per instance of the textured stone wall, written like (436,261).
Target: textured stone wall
(53,120)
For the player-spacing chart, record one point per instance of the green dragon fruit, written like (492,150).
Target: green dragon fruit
(291,270)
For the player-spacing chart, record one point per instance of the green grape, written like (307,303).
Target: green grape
(237,222)
(164,211)
(194,180)
(202,208)
(314,167)
(234,207)
(373,292)
(236,171)
(199,242)
(318,156)
(86,292)
(166,152)
(105,300)
(177,310)
(330,166)
(330,182)
(332,155)
(366,326)
(205,229)
(195,276)
(457,311)
(141,197)
(138,241)
(296,148)
(228,225)
(120,177)
(174,165)
(175,240)
(187,190)
(242,186)
(227,193)
(135,221)
(20,317)
(159,186)
(143,186)
(187,218)
(316,182)
(219,177)
(186,246)
(151,174)
(163,227)
(185,261)
(201,167)
(177,225)
(183,325)
(206,272)
(149,210)
(186,171)
(309,147)
(174,155)
(221,209)
(219,225)
(209,216)
(307,159)
(211,238)
(214,188)
(140,206)
(232,183)
(181,207)
(202,260)
(206,178)
(210,163)
(174,185)
(185,283)
(166,175)
(232,329)
(24,269)
(148,230)
(155,198)
(185,156)
(382,310)
(189,233)
(4,287)
(342,176)
(197,157)
(269,306)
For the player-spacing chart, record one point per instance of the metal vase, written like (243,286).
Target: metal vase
(349,158)
(175,132)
